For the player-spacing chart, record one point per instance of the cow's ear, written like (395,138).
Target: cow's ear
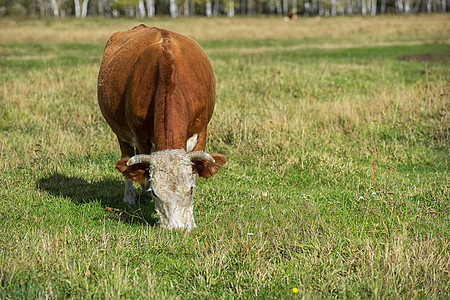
(137,172)
(191,143)
(207,169)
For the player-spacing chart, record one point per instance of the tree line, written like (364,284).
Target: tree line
(211,8)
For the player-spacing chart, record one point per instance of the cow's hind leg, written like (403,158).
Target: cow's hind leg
(127,152)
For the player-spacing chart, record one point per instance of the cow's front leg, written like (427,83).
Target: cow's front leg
(127,151)
(128,195)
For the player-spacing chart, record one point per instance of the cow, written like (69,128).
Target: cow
(156,90)
(291,16)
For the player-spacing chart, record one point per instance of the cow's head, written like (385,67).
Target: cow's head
(170,178)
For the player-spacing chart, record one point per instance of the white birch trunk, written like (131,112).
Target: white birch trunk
(306,6)
(315,6)
(100,8)
(129,12)
(216,8)
(271,7)
(333,8)
(373,10)
(428,6)
(278,6)
(230,8)
(399,5)
(294,6)
(363,7)
(285,7)
(77,8)
(192,10)
(186,8)
(406,7)
(208,8)
(55,8)
(173,9)
(416,7)
(383,7)
(84,8)
(249,7)
(41,7)
(321,10)
(349,8)
(142,12)
(150,8)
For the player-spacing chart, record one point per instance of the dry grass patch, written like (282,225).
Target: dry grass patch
(350,31)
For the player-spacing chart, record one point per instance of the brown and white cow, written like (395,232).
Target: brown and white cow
(156,90)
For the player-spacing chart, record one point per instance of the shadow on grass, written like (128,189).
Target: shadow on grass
(109,192)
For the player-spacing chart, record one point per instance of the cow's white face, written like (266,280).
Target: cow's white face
(171,181)
(171,184)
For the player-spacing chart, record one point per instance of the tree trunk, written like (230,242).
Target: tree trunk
(150,8)
(278,6)
(84,8)
(142,12)
(129,12)
(192,9)
(333,8)
(321,10)
(350,8)
(186,8)
(294,6)
(363,7)
(208,8)
(32,8)
(249,7)
(373,10)
(77,8)
(55,8)
(271,7)
(173,9)
(315,6)
(100,7)
(406,7)
(231,8)
(383,7)
(216,8)
(285,7)
(399,6)
(416,7)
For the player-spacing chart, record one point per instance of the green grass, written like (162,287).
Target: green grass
(337,179)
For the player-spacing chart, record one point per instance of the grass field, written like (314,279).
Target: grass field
(336,132)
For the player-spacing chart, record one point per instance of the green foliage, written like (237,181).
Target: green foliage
(336,181)
(122,4)
(16,10)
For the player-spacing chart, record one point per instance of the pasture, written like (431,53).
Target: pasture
(336,133)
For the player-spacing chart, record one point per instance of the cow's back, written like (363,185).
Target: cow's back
(130,76)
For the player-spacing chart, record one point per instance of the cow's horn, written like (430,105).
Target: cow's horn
(201,155)
(140,158)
